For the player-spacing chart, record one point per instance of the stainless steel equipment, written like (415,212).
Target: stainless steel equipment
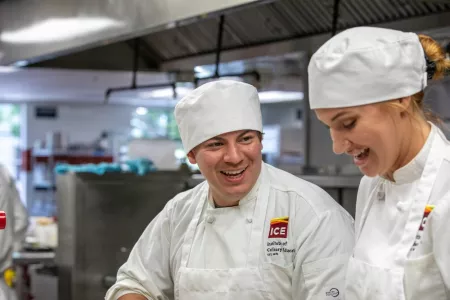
(100,219)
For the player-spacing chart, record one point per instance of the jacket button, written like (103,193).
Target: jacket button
(249,220)
(210,219)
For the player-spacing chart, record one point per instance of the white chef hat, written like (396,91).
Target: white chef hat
(366,65)
(215,108)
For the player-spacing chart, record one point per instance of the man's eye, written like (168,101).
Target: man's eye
(247,138)
(215,144)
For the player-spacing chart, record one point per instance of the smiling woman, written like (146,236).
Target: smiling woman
(377,136)
(367,85)
(383,129)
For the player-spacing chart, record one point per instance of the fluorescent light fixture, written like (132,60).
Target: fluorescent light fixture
(58,29)
(20,63)
(200,69)
(279,96)
(142,111)
(8,69)
(165,93)
(159,93)
(202,72)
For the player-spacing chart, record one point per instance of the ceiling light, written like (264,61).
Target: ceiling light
(141,111)
(58,29)
(20,63)
(165,93)
(279,96)
(202,72)
(200,69)
(158,93)
(8,69)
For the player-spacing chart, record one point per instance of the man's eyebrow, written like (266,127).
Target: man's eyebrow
(216,138)
(244,133)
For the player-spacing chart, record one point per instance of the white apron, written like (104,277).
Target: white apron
(368,282)
(226,284)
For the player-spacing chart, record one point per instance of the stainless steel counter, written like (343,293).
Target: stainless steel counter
(125,203)
(28,258)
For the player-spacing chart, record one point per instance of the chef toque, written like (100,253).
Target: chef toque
(215,108)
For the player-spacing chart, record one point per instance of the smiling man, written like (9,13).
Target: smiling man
(249,231)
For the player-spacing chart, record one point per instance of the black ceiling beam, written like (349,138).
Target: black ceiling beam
(155,56)
(219,44)
(135,61)
(134,86)
(149,63)
(335,17)
(217,74)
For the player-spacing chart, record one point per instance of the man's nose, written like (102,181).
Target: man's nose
(233,154)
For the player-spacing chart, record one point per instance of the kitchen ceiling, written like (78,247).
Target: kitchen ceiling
(273,38)
(259,25)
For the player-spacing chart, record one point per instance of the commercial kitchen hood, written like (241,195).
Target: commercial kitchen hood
(182,34)
(33,30)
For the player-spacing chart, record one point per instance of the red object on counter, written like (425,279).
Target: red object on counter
(2,220)
(73,159)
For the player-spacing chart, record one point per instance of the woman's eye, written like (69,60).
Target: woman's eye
(349,125)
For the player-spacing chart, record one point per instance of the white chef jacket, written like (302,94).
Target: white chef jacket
(385,213)
(308,263)
(16,225)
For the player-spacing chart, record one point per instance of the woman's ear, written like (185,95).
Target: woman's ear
(405,103)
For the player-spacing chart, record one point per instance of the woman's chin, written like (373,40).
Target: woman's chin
(369,172)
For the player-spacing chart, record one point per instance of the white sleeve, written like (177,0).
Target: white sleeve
(322,257)
(16,216)
(20,218)
(147,270)
(441,239)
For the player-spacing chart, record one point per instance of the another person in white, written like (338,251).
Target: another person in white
(250,231)
(12,236)
(367,86)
